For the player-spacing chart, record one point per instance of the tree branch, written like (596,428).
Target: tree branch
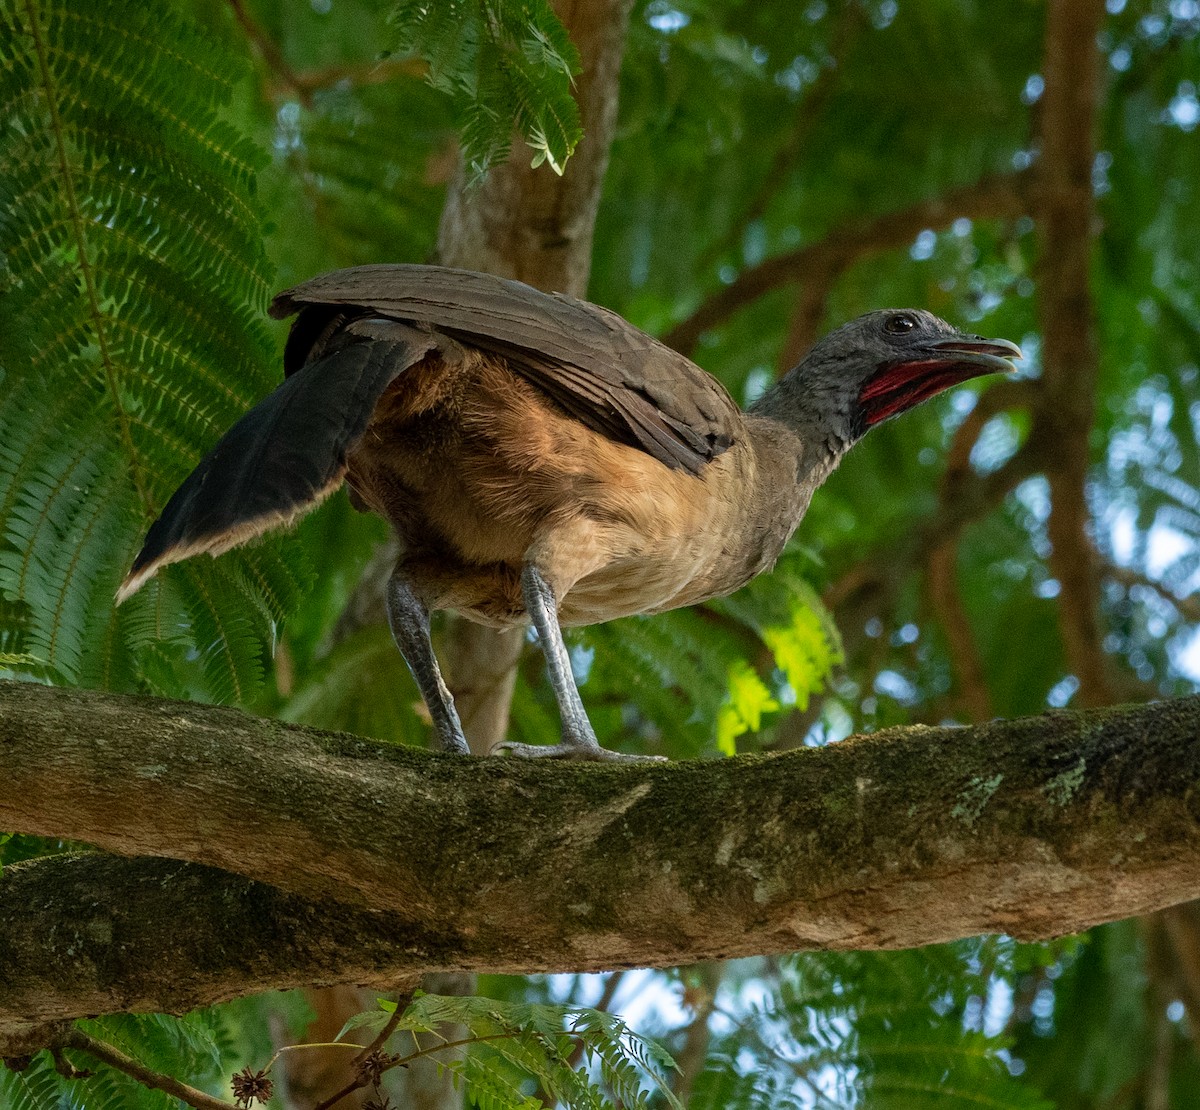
(969,672)
(700,996)
(942,582)
(972,500)
(942,558)
(850,23)
(394,861)
(808,313)
(377,71)
(269,50)
(1002,196)
(147,1077)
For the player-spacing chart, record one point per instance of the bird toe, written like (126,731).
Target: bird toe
(510,748)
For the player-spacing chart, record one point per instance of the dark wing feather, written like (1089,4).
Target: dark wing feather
(601,369)
(283,457)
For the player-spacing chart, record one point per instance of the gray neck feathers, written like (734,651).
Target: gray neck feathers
(817,407)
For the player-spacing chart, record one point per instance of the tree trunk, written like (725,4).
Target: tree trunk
(534,225)
(1063,422)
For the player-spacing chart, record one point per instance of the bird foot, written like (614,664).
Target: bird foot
(567,750)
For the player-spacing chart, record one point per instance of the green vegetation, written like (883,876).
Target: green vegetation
(777,168)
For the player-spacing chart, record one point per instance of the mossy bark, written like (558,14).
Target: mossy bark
(285,855)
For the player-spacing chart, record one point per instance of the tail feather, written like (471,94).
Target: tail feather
(282,458)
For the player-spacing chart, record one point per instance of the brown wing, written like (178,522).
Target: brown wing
(601,369)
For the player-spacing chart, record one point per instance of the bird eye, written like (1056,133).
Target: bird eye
(899,323)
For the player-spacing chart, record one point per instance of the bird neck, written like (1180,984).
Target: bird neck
(815,426)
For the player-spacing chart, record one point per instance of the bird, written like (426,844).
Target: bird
(541,459)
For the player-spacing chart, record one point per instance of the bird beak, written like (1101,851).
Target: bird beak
(990,355)
(933,368)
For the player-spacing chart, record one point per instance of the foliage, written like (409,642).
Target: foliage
(905,1030)
(130,335)
(507,66)
(154,168)
(570,1053)
(201,1047)
(710,675)
(355,175)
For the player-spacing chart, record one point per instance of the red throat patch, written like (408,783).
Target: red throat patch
(903,385)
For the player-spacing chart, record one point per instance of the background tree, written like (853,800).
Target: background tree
(774,169)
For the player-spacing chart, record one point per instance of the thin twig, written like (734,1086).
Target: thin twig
(114,1058)
(377,72)
(271,54)
(403,1061)
(65,1068)
(356,1084)
(362,1079)
(402,1001)
(307,1044)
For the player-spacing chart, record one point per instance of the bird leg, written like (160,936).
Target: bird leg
(409,620)
(578,738)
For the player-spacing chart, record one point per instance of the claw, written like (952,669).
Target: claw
(508,748)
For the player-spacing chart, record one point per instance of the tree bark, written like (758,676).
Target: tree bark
(533,224)
(383,861)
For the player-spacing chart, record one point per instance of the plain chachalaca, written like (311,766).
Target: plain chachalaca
(539,458)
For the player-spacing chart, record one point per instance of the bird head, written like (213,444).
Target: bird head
(885,363)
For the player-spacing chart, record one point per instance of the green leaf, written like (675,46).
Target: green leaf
(131,336)
(507,65)
(511,1043)
(748,699)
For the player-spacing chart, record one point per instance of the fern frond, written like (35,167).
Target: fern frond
(130,334)
(507,65)
(674,667)
(875,1030)
(511,1043)
(37,1087)
(364,176)
(186,1046)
